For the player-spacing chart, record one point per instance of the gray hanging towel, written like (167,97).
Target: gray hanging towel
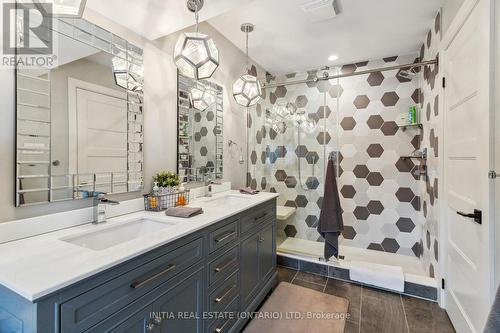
(330,221)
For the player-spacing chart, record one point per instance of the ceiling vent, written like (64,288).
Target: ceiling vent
(320,10)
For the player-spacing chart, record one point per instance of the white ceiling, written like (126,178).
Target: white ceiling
(157,18)
(286,41)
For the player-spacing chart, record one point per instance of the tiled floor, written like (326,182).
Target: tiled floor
(374,310)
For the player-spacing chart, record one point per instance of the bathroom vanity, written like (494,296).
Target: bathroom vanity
(145,272)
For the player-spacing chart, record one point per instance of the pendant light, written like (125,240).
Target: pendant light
(201,97)
(195,54)
(247,90)
(124,78)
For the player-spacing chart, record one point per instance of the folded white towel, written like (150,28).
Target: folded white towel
(383,276)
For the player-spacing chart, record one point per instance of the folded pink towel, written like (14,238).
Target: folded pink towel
(248,190)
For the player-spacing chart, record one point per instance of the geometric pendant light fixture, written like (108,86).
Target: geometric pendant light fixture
(247,90)
(195,54)
(201,97)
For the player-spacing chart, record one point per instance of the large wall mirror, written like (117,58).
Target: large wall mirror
(80,122)
(200,124)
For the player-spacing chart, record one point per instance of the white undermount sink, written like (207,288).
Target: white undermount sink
(115,235)
(227,200)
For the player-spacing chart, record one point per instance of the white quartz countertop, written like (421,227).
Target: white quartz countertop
(38,266)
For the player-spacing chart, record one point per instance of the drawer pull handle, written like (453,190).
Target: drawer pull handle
(150,327)
(221,298)
(220,329)
(137,285)
(225,266)
(260,217)
(225,237)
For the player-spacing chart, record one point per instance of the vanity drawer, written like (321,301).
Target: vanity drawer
(258,216)
(223,266)
(226,322)
(91,307)
(227,234)
(223,294)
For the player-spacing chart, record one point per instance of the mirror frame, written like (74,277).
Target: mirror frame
(92,35)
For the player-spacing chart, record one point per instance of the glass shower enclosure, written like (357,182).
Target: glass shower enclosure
(357,120)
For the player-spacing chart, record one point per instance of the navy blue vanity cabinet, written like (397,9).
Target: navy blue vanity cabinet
(229,266)
(249,269)
(181,308)
(139,321)
(172,307)
(258,261)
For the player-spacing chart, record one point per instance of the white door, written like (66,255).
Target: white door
(467,143)
(102,140)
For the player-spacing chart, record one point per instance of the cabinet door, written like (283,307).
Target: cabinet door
(139,322)
(267,252)
(249,268)
(182,307)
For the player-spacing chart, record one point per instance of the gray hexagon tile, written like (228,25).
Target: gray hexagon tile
(375,79)
(375,121)
(361,102)
(405,224)
(390,245)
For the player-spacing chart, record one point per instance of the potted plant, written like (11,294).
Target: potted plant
(168,181)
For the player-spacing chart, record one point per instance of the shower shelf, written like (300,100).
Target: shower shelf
(405,127)
(413,157)
(417,154)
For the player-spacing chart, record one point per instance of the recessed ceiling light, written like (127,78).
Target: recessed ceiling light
(333,57)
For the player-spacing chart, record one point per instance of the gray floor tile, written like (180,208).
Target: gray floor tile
(426,317)
(382,312)
(376,311)
(318,279)
(351,292)
(309,285)
(286,274)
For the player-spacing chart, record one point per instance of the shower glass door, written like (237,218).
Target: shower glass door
(291,134)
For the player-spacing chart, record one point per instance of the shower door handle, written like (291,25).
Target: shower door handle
(477,216)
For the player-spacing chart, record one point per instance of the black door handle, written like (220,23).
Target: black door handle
(477,216)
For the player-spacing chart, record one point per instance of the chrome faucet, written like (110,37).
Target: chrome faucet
(100,205)
(207,178)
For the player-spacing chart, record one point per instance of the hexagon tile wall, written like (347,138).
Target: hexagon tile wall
(428,247)
(357,117)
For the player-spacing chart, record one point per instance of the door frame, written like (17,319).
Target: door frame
(458,22)
(73,86)
(496,47)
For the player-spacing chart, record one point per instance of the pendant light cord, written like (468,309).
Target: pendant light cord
(247,64)
(196,14)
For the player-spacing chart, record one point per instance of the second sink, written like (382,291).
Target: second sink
(227,200)
(115,235)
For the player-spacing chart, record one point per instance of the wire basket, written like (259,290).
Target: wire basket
(161,202)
